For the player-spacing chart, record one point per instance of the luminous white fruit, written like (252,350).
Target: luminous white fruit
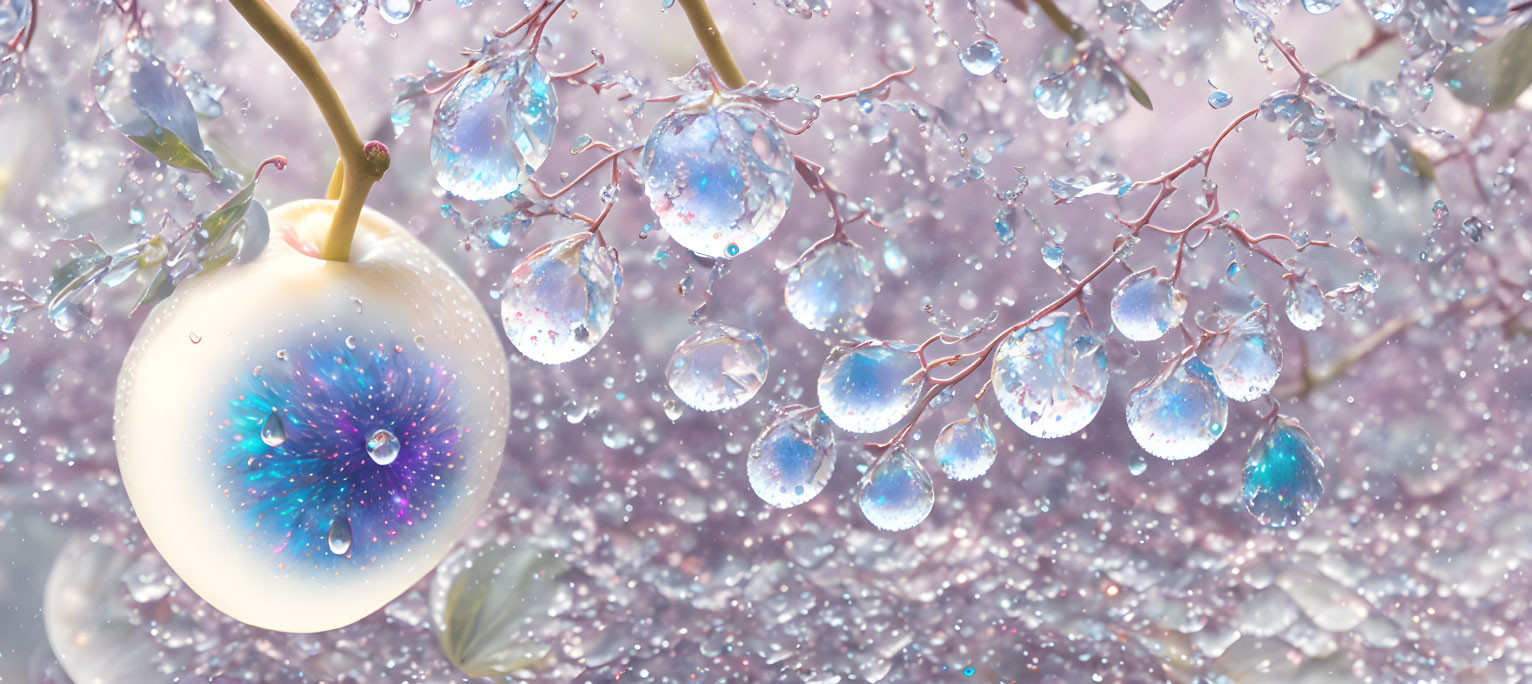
(250,417)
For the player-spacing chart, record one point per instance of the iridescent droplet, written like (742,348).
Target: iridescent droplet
(897,493)
(273,432)
(1320,6)
(340,536)
(792,460)
(831,288)
(718,175)
(1219,99)
(980,58)
(396,11)
(1146,306)
(382,447)
(1248,357)
(560,299)
(1050,377)
(1283,474)
(869,387)
(966,448)
(718,368)
(493,127)
(1305,304)
(1180,412)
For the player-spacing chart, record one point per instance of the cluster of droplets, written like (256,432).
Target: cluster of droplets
(1082,83)
(1301,118)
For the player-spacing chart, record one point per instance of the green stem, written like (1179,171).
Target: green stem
(712,42)
(363,163)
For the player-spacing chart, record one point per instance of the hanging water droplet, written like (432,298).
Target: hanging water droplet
(382,447)
(792,460)
(1138,464)
(1320,6)
(1050,377)
(495,126)
(273,432)
(1248,358)
(560,299)
(1305,304)
(1146,306)
(1219,99)
(673,410)
(831,288)
(897,493)
(980,58)
(340,536)
(966,448)
(1053,255)
(1179,412)
(718,368)
(396,11)
(718,174)
(1283,474)
(868,388)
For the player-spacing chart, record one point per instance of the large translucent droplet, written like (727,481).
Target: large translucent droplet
(1179,412)
(396,11)
(980,58)
(792,460)
(1283,474)
(966,448)
(1305,304)
(718,176)
(831,288)
(1248,358)
(869,387)
(273,431)
(340,536)
(896,494)
(493,127)
(718,368)
(1050,377)
(382,447)
(1146,306)
(559,301)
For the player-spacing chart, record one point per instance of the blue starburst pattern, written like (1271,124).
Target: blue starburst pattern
(311,477)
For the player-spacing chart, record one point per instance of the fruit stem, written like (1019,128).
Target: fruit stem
(362,164)
(712,42)
(337,180)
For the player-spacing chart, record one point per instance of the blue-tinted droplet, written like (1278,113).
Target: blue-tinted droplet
(897,493)
(868,388)
(1219,99)
(273,432)
(1283,474)
(382,447)
(792,460)
(981,58)
(340,536)
(1179,412)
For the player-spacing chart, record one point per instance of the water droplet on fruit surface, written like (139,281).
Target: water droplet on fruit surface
(382,447)
(493,127)
(718,368)
(869,387)
(1180,412)
(1050,377)
(792,460)
(1146,306)
(273,432)
(340,536)
(717,174)
(831,288)
(396,11)
(1248,358)
(897,493)
(560,299)
(965,448)
(1283,474)
(1305,304)
(980,58)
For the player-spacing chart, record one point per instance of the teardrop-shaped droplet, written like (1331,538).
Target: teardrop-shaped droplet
(1248,358)
(396,11)
(980,58)
(1050,377)
(493,127)
(1305,304)
(896,494)
(382,447)
(1179,412)
(831,288)
(273,431)
(966,448)
(718,368)
(560,299)
(1146,306)
(340,536)
(1283,474)
(718,176)
(868,388)
(792,460)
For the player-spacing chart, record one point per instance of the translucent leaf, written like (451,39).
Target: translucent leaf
(488,613)
(142,99)
(1494,75)
(227,232)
